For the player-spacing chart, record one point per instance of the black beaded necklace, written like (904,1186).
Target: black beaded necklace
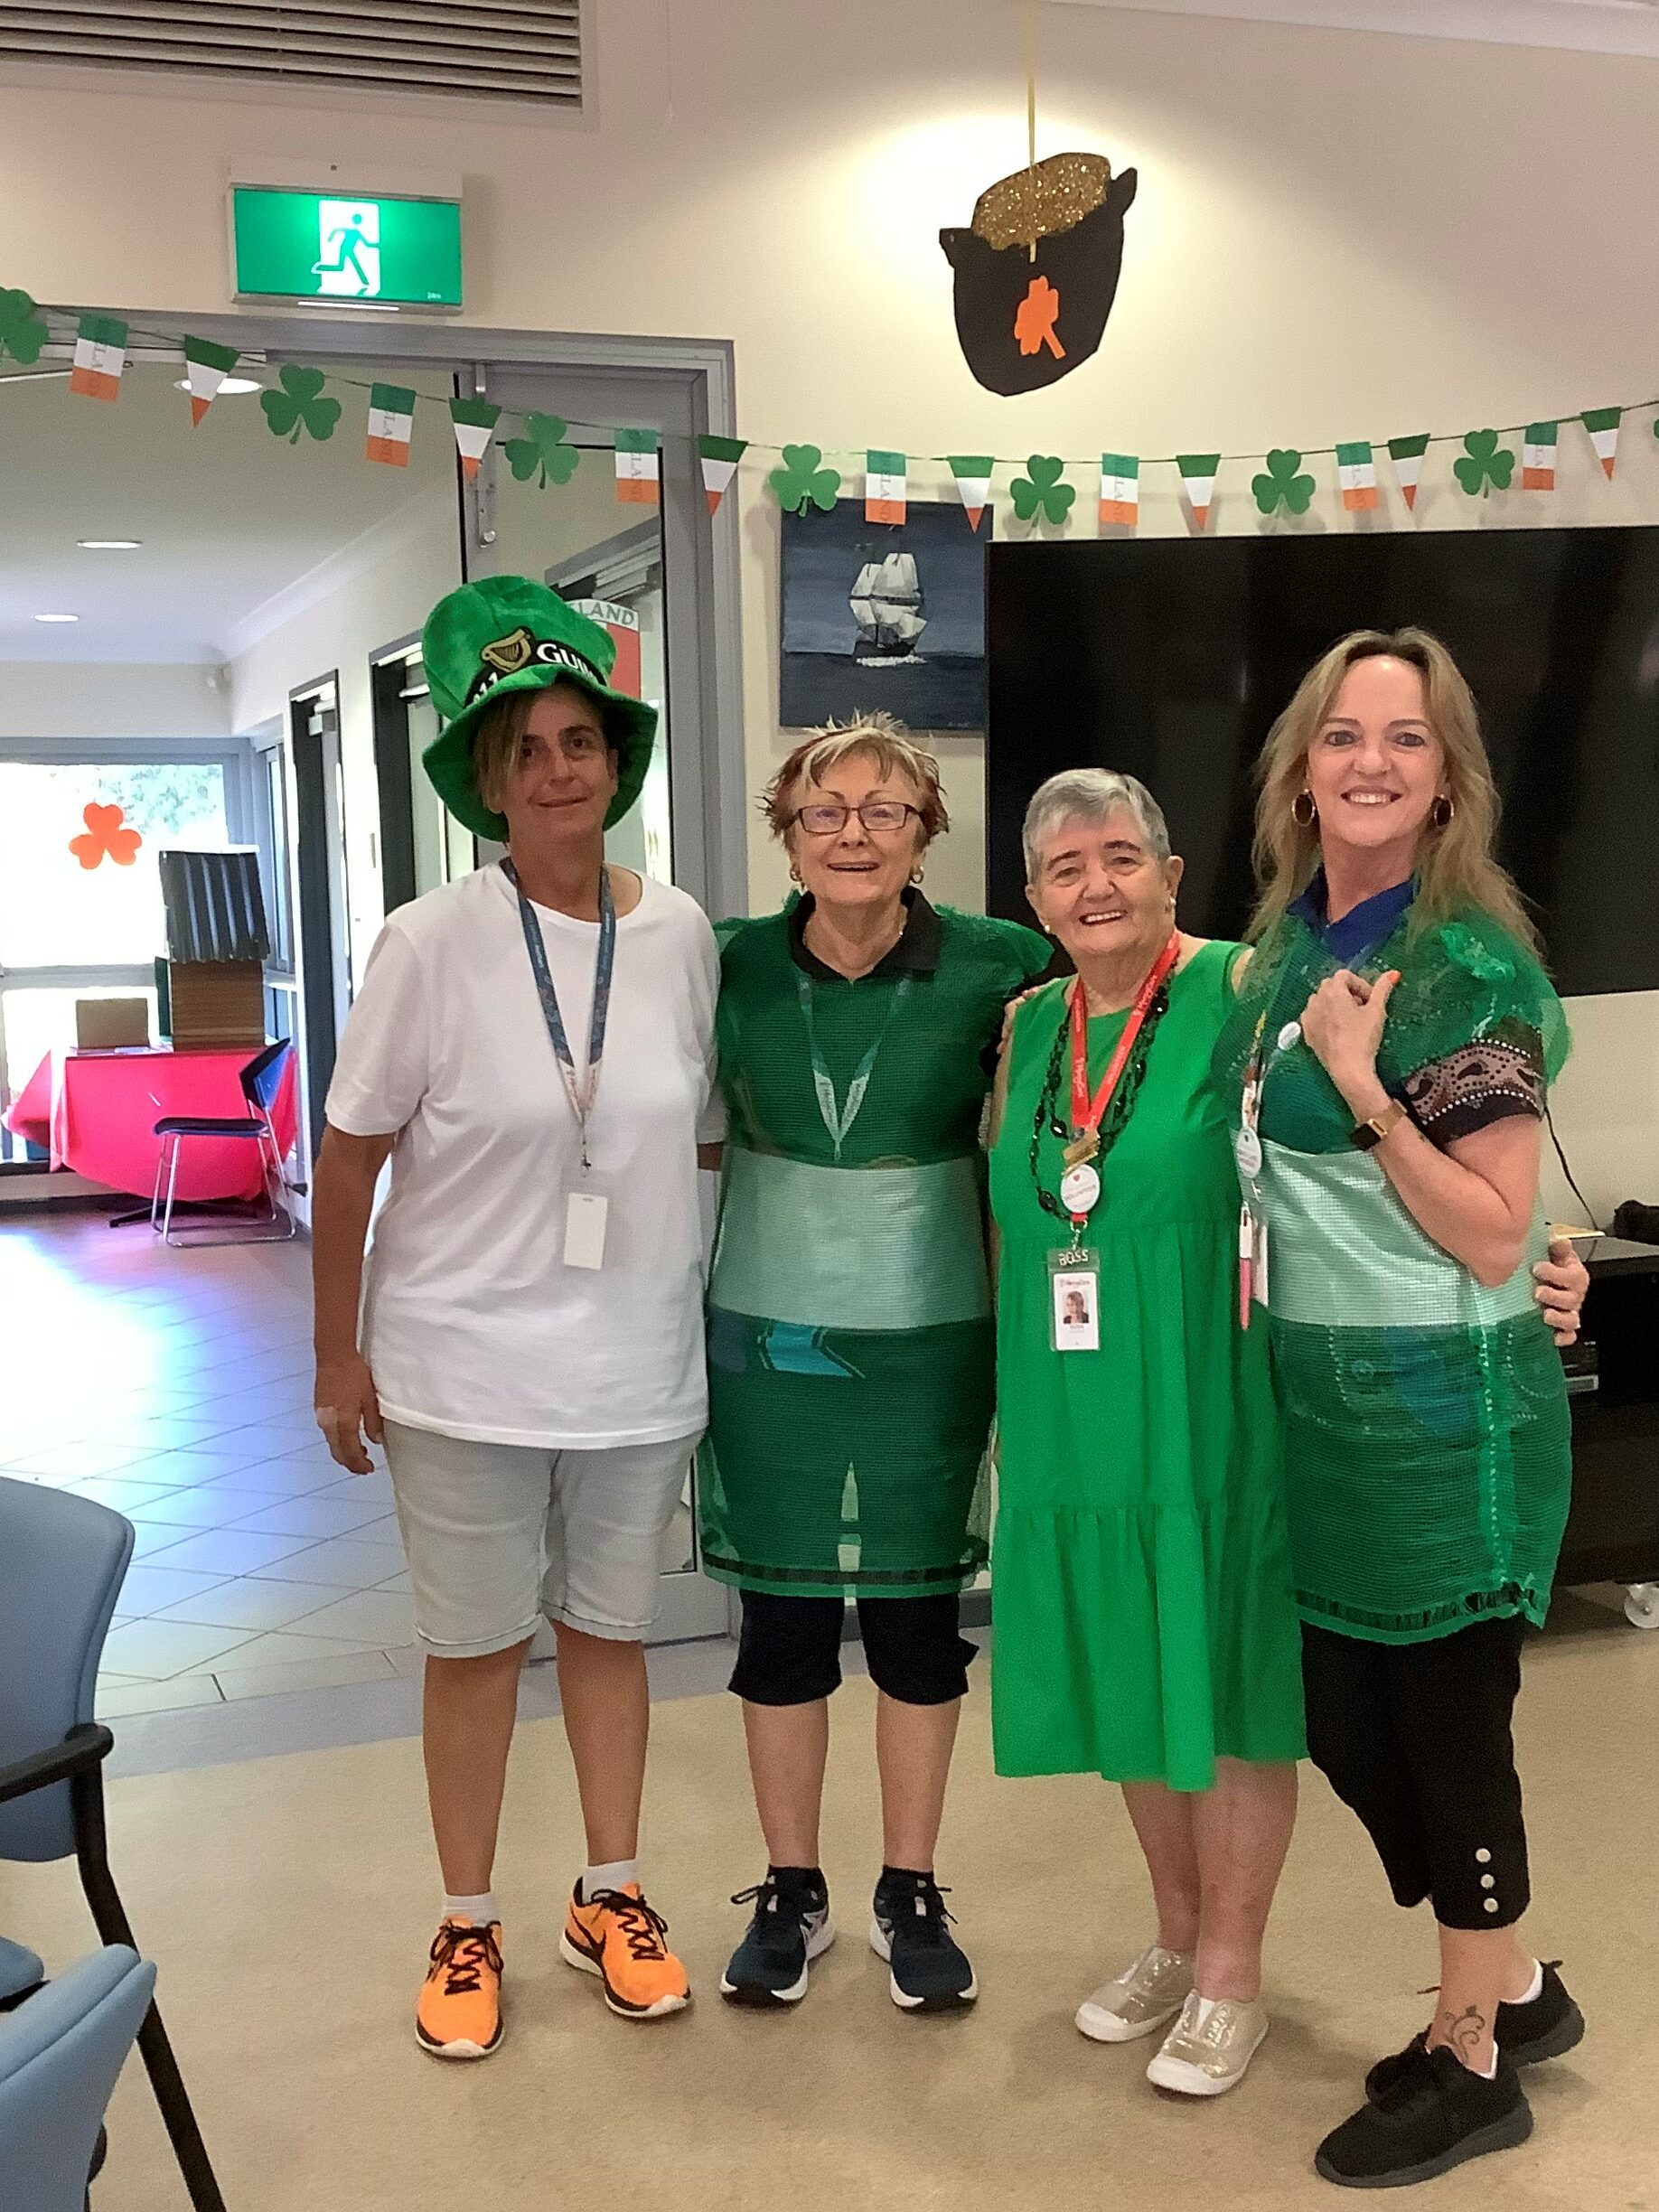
(1119,1109)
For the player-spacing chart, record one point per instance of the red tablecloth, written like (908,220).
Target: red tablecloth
(95,1112)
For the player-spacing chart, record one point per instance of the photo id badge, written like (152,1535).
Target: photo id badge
(1074,1301)
(590,1218)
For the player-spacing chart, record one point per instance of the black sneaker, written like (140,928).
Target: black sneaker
(790,1929)
(1436,2115)
(911,1929)
(1549,2026)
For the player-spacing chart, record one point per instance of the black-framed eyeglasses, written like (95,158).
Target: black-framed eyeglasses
(825,817)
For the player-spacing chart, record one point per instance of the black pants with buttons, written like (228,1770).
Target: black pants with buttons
(789,1649)
(1416,1738)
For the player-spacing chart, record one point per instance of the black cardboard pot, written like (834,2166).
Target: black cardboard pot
(1082,263)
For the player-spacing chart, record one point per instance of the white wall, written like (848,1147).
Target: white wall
(1336,235)
(58,699)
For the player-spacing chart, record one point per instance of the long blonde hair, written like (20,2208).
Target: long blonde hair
(1456,866)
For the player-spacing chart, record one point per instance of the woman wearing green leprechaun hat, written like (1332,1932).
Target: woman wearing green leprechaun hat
(533,1050)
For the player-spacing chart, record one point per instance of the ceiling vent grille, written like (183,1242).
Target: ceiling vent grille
(494,49)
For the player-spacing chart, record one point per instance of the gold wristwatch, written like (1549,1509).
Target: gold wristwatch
(1376,1127)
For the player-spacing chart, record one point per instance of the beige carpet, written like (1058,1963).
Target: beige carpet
(288,1901)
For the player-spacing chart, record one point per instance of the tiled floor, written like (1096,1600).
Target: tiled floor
(176,1387)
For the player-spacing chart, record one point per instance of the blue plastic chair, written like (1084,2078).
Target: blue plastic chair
(60,2055)
(62,1562)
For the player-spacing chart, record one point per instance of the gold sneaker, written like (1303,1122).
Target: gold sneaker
(1207,2060)
(1142,1998)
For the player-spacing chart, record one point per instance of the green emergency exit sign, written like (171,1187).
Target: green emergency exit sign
(326,246)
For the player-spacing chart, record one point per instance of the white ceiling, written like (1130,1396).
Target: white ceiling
(231,517)
(1591,26)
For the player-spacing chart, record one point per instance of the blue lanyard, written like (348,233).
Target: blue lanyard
(580,1093)
(838,1119)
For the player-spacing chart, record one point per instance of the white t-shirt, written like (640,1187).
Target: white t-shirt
(473,1324)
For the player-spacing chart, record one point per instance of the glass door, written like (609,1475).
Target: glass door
(421,844)
(323,943)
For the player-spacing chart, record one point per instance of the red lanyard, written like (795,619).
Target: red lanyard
(1086,1113)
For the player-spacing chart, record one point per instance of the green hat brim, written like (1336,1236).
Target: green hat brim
(630,726)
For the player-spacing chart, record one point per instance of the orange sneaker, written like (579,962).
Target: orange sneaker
(459,2015)
(620,1938)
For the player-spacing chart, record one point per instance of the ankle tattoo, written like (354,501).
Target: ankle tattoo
(1464,2031)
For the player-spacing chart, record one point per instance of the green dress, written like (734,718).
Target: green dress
(850,1359)
(1428,1449)
(1140,1584)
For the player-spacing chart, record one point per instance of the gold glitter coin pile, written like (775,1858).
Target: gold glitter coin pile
(1037,203)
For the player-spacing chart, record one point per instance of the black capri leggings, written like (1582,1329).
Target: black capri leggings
(1416,1738)
(789,1650)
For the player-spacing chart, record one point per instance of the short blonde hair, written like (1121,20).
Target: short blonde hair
(886,742)
(499,732)
(1457,866)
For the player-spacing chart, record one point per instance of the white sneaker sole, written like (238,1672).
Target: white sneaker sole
(1174,2074)
(818,1942)
(902,1998)
(462,2048)
(1103,2027)
(583,1964)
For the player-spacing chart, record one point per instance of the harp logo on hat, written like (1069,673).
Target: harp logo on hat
(519,650)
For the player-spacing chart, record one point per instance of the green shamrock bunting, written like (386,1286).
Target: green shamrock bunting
(1483,464)
(22,332)
(542,452)
(1042,492)
(803,482)
(1282,486)
(299,407)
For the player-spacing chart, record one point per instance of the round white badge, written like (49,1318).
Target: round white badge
(1291,1033)
(1247,1151)
(1079,1189)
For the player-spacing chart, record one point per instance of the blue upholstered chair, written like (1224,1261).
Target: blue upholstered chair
(60,2055)
(62,1562)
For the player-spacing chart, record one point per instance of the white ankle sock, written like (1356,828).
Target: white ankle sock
(479,1910)
(1488,2073)
(1534,1988)
(616,1876)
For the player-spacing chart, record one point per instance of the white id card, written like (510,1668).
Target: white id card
(1075,1286)
(585,1223)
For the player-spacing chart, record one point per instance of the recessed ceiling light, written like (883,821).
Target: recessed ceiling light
(57,618)
(110,545)
(229,390)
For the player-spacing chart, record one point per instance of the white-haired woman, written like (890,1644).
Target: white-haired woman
(850,1333)
(1146,1624)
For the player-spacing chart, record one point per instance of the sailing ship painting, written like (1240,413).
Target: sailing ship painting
(884,614)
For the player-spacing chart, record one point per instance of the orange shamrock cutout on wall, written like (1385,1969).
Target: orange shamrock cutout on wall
(106,834)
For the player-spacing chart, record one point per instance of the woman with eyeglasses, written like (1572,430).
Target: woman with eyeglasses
(850,1339)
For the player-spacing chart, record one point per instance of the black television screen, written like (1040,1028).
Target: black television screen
(1170,657)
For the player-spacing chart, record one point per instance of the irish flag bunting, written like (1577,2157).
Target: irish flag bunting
(100,355)
(206,366)
(391,425)
(719,457)
(474,420)
(1602,422)
(1121,489)
(1356,472)
(973,473)
(637,479)
(1198,473)
(884,486)
(1538,457)
(1407,456)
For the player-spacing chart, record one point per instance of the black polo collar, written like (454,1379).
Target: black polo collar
(915,953)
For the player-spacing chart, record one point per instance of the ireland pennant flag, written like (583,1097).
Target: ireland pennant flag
(206,366)
(719,457)
(1198,474)
(391,425)
(1356,472)
(100,355)
(1121,489)
(1407,456)
(884,486)
(973,473)
(474,420)
(637,474)
(1538,457)
(1602,422)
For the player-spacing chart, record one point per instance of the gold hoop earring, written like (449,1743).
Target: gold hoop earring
(1303,812)
(1444,810)
(796,878)
(917,874)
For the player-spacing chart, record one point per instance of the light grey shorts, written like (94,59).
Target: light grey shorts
(498,1534)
